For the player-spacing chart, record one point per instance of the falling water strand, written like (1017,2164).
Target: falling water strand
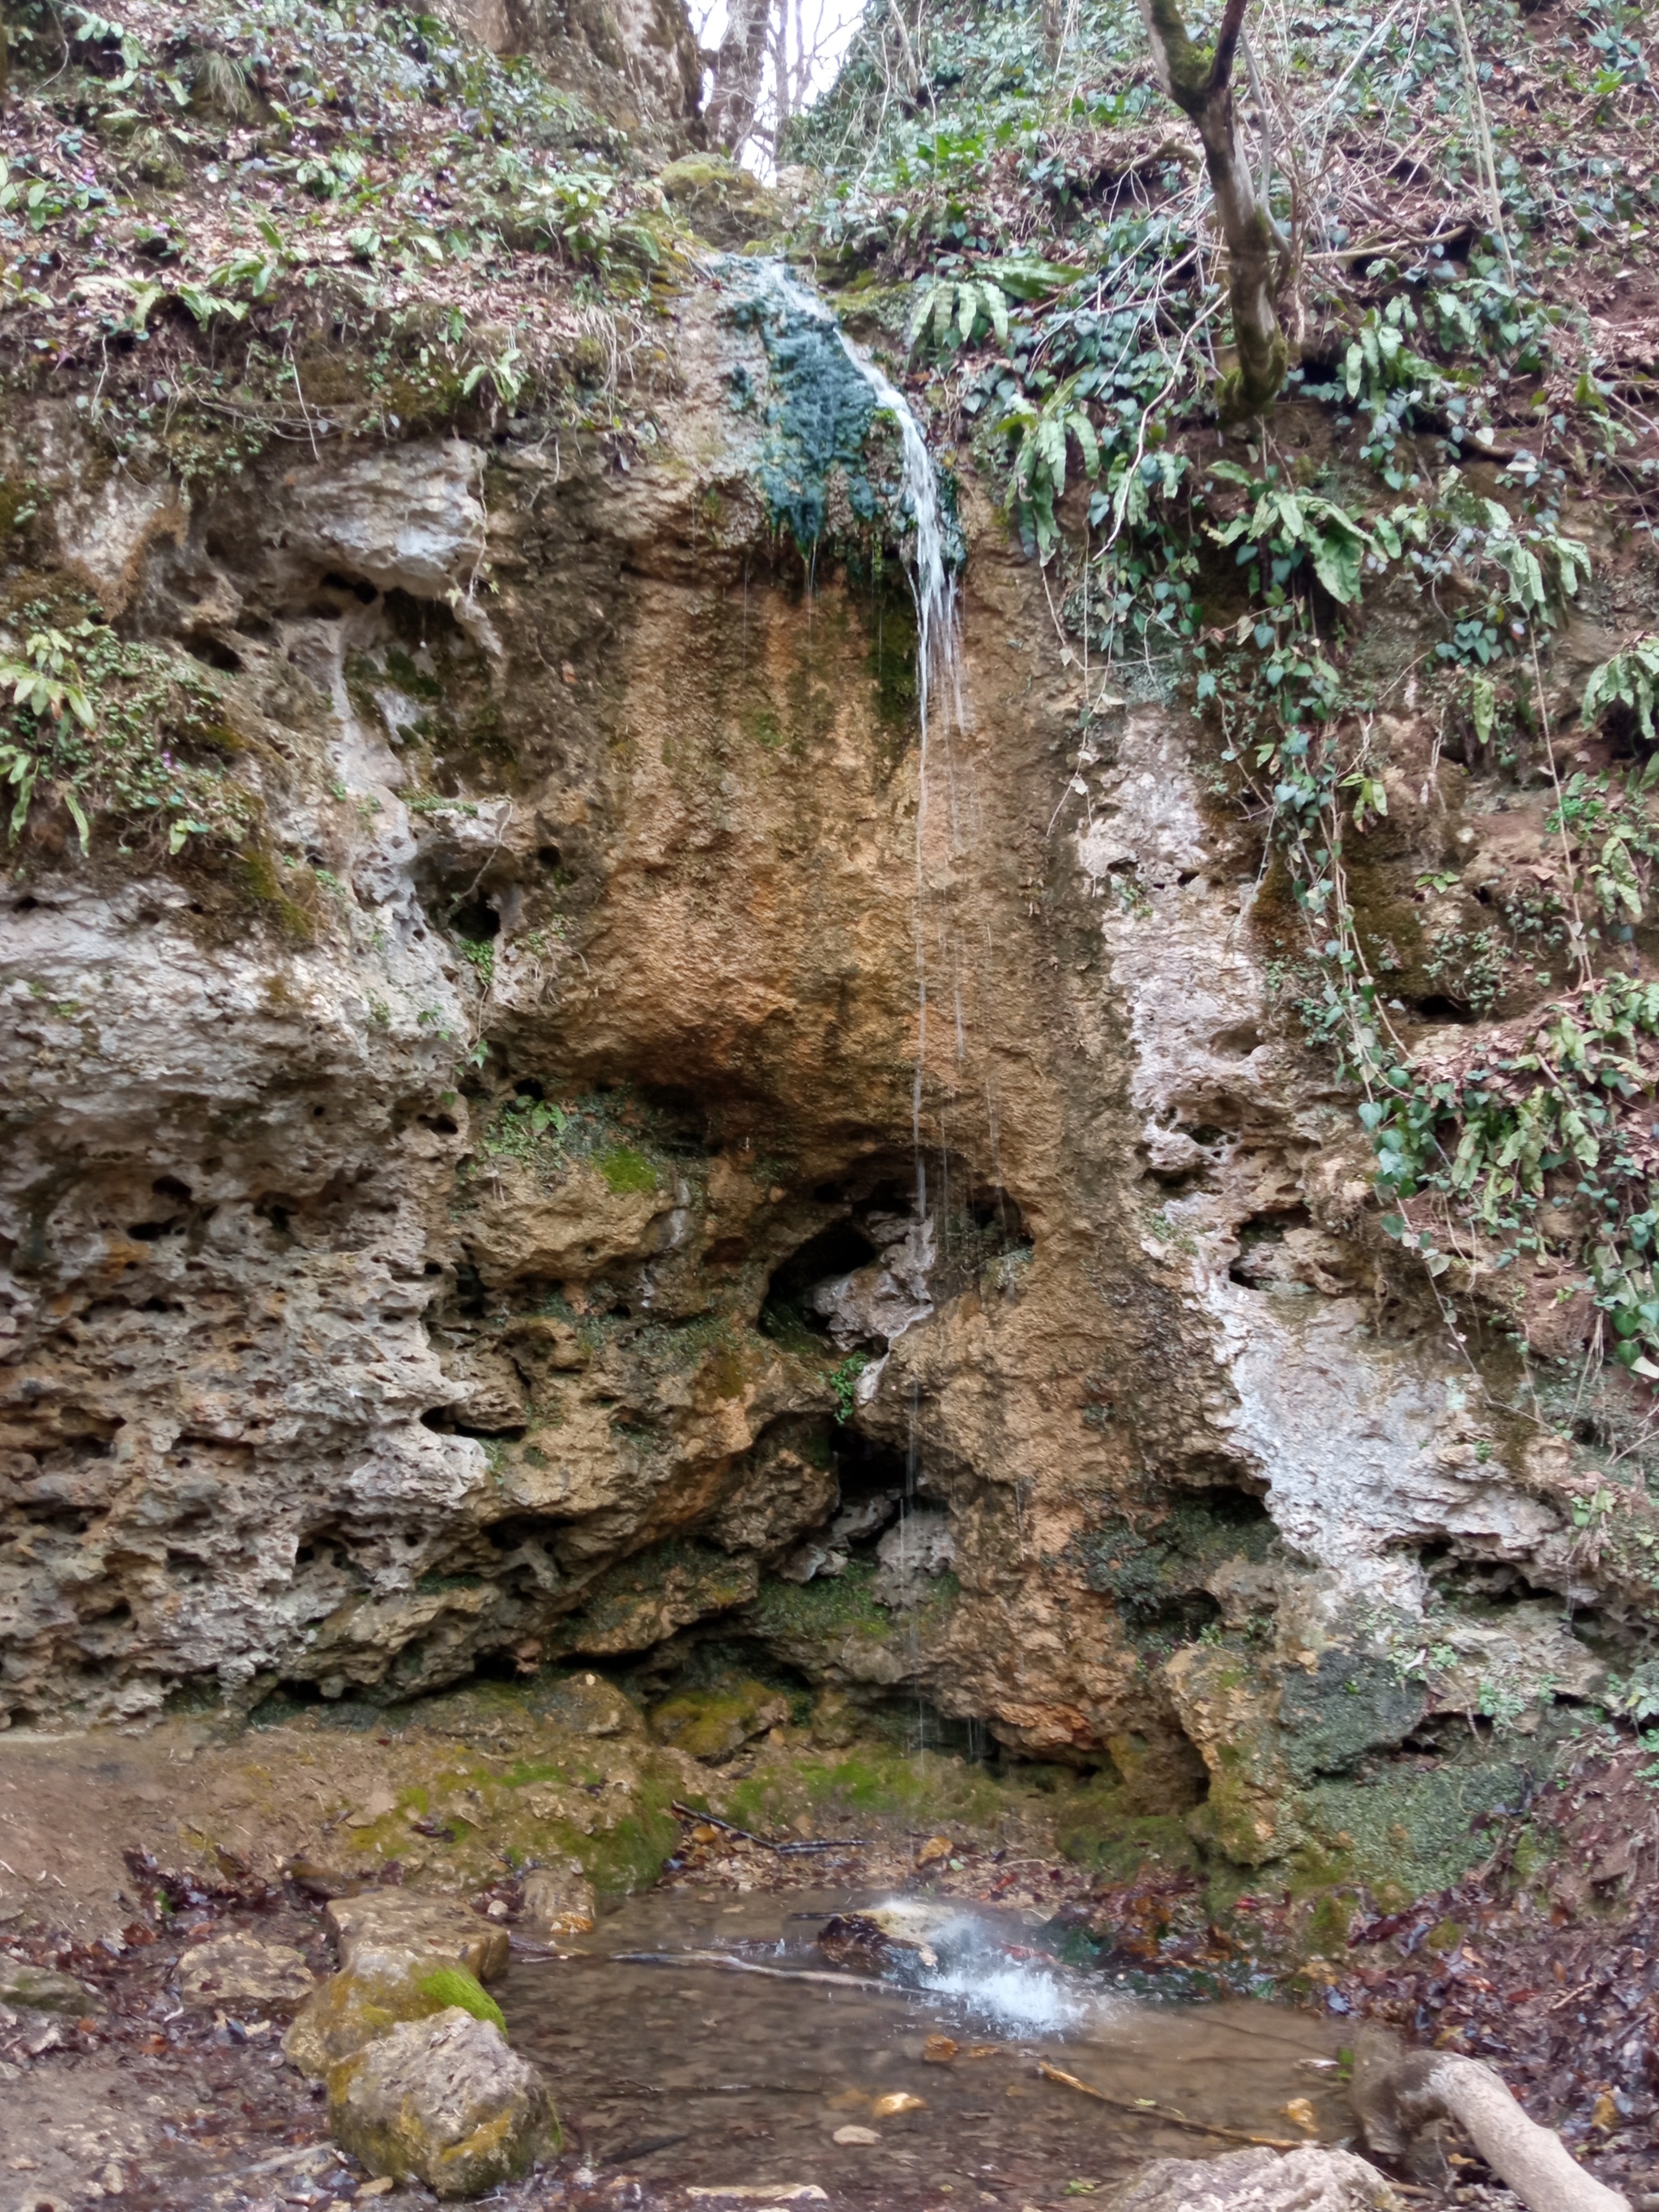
(938,677)
(934,588)
(939,688)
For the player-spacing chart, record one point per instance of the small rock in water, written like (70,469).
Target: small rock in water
(443,2101)
(854,1939)
(855,2135)
(1305,2180)
(558,1900)
(239,1969)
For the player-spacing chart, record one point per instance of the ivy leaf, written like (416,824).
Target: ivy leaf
(1336,551)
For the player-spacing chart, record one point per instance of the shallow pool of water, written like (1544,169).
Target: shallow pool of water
(687,2075)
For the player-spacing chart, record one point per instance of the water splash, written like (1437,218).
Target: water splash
(992,1982)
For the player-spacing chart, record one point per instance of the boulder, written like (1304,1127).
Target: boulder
(443,2101)
(1309,2179)
(558,1900)
(434,1929)
(238,1969)
(42,1989)
(350,2009)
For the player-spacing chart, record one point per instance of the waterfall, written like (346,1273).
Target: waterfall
(933,586)
(825,386)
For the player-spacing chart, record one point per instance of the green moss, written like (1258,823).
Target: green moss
(1352,1703)
(1094,1827)
(713,1724)
(820,1613)
(453,1985)
(626,1170)
(1415,1831)
(919,1788)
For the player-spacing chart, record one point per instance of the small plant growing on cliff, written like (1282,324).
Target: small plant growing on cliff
(844,1382)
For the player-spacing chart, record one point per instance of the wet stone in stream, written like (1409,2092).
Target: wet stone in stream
(684,2077)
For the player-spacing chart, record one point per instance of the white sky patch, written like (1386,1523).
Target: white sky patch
(806,42)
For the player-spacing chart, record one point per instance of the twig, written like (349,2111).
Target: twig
(766,1844)
(727,1964)
(1161,2113)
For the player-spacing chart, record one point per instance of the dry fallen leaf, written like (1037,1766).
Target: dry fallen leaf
(935,1848)
(898,2100)
(1302,2112)
(940,2050)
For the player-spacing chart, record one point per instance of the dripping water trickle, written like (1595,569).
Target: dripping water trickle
(940,711)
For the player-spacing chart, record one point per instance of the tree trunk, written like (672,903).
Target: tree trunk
(739,63)
(1399,2094)
(1200,85)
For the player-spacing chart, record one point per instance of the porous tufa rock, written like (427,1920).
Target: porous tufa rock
(443,2101)
(1309,2179)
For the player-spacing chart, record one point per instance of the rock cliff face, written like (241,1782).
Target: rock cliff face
(479,1223)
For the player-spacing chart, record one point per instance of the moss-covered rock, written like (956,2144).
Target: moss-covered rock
(723,202)
(351,2009)
(713,1724)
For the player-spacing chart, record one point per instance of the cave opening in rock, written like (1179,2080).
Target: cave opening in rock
(839,1249)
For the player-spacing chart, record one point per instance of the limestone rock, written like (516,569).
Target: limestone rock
(1517,1661)
(444,2101)
(434,1929)
(589,1705)
(558,1900)
(42,1989)
(1309,2179)
(237,1968)
(405,517)
(914,1551)
(882,1300)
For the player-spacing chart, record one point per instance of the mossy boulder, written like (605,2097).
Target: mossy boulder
(713,1724)
(444,2101)
(42,1989)
(351,2009)
(1230,1708)
(724,203)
